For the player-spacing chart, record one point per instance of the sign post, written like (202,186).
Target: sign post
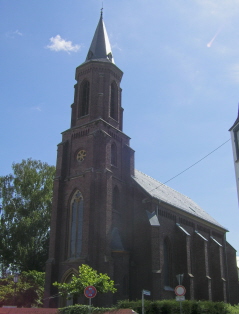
(180,292)
(90,292)
(144,292)
(180,278)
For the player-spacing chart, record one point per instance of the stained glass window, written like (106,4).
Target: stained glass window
(76,225)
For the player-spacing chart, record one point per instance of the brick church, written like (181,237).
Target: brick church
(117,219)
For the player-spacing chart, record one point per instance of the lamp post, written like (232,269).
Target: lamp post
(15,279)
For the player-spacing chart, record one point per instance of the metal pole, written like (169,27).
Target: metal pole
(15,285)
(180,307)
(15,279)
(89,305)
(142,301)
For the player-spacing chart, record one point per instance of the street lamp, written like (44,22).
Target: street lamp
(15,279)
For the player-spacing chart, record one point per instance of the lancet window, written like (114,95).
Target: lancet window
(84,98)
(114,101)
(76,225)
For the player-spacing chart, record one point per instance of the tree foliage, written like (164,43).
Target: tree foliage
(87,277)
(27,292)
(26,197)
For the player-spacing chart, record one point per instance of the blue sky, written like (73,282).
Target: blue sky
(180,86)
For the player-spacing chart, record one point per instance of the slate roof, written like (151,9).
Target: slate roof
(168,195)
(100,48)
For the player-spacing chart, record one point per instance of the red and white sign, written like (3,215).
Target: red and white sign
(90,292)
(180,290)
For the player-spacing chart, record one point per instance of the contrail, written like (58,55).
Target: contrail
(214,37)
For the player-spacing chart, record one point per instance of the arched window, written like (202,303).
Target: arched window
(114,101)
(76,225)
(167,263)
(116,199)
(84,98)
(114,154)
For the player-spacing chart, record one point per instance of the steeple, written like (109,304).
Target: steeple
(100,48)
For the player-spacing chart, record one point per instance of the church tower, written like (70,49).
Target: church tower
(94,167)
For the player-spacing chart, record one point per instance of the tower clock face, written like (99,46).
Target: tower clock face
(81,155)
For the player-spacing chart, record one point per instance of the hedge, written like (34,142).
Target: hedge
(159,307)
(83,309)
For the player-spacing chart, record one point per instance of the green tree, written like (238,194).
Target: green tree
(26,197)
(87,277)
(27,292)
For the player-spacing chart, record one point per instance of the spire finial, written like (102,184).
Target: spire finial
(101,13)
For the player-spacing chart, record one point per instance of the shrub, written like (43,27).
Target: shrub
(82,309)
(159,307)
(173,307)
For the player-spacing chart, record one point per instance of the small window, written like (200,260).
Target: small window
(114,101)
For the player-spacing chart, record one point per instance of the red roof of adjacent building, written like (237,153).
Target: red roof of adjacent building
(121,311)
(52,311)
(6,310)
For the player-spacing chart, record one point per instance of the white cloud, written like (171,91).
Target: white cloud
(116,46)
(36,108)
(59,44)
(12,34)
(17,32)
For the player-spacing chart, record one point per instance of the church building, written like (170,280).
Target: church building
(117,219)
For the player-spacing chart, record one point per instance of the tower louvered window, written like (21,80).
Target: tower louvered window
(76,225)
(84,98)
(114,101)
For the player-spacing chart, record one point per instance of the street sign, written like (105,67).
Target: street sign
(180,290)
(144,292)
(180,298)
(90,292)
